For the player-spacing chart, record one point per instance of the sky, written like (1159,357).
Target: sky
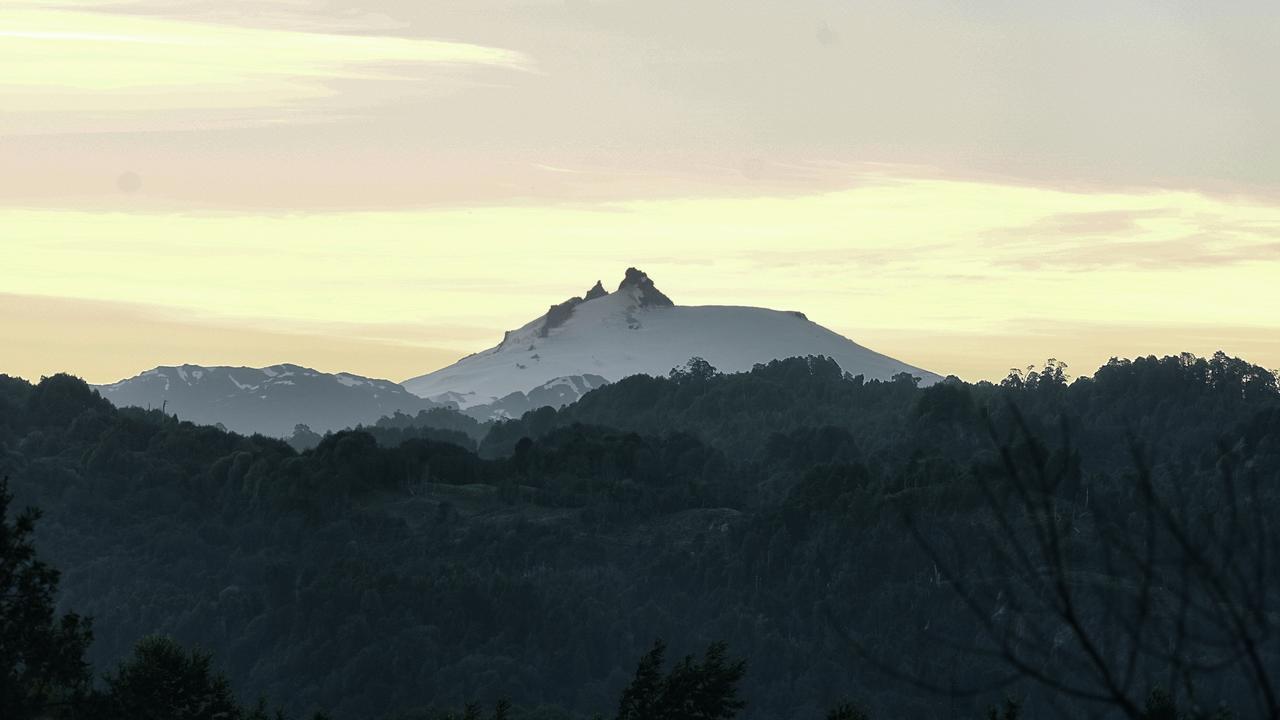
(383,187)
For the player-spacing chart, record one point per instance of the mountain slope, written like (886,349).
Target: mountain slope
(270,400)
(639,330)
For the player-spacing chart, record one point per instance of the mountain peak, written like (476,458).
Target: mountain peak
(639,285)
(646,293)
(639,330)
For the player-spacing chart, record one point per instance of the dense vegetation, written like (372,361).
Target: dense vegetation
(43,673)
(815,522)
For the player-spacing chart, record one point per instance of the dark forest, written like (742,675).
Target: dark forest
(811,544)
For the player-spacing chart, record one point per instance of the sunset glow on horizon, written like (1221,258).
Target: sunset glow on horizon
(384,190)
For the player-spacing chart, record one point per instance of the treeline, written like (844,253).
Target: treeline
(812,520)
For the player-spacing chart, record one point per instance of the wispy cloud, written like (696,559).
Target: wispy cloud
(1183,233)
(1201,250)
(398,104)
(70,68)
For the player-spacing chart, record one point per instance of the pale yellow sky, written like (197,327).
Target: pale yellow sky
(956,276)
(383,188)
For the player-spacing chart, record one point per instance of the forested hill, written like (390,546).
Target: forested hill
(808,410)
(385,572)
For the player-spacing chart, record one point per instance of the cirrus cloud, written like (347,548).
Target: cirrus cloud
(75,68)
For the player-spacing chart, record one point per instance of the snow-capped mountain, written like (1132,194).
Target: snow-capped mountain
(639,330)
(270,400)
(573,348)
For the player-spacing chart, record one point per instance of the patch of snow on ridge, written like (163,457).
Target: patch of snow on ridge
(239,385)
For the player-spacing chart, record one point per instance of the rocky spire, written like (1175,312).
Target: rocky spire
(557,315)
(647,295)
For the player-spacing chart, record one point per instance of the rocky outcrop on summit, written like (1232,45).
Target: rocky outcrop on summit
(647,295)
(559,313)
(637,329)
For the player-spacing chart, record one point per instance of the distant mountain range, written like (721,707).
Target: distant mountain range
(274,400)
(269,400)
(574,347)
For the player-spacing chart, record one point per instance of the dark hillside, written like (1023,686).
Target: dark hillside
(765,509)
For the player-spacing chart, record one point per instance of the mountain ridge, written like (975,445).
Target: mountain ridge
(577,345)
(269,400)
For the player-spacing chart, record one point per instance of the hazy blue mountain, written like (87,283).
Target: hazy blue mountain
(269,400)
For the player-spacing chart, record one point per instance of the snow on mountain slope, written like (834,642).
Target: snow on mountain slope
(270,400)
(638,330)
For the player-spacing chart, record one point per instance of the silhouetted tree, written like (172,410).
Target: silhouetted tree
(304,438)
(161,681)
(692,690)
(694,370)
(42,668)
(1181,586)
(641,699)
